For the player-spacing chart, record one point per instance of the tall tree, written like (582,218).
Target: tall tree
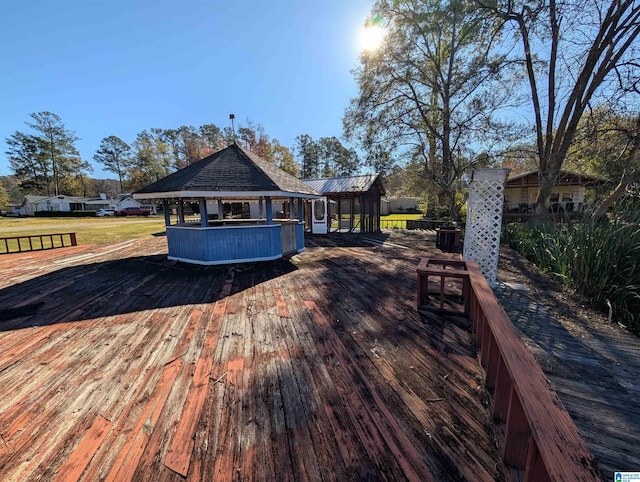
(190,144)
(27,157)
(283,158)
(152,159)
(309,151)
(115,155)
(11,185)
(335,158)
(4,198)
(59,145)
(432,91)
(574,52)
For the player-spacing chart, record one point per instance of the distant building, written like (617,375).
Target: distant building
(520,192)
(32,204)
(400,205)
(353,201)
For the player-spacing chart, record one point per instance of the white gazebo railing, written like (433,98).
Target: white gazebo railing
(484,220)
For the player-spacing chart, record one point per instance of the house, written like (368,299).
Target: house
(520,192)
(354,200)
(32,204)
(127,201)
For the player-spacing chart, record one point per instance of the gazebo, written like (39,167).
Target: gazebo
(353,200)
(234,192)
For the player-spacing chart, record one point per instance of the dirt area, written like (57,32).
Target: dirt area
(567,307)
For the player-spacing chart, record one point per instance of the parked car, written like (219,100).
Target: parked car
(105,212)
(133,211)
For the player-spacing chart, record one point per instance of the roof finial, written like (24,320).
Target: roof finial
(233,129)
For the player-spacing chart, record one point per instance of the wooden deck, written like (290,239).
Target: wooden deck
(117,364)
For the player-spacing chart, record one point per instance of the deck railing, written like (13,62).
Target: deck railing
(539,436)
(36,242)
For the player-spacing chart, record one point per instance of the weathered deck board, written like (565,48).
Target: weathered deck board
(318,368)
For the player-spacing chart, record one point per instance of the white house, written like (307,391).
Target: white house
(31,204)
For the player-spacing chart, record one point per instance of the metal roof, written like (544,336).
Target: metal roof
(345,184)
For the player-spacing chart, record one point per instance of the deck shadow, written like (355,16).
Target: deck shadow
(117,287)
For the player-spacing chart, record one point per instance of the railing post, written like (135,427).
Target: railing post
(516,437)
(72,236)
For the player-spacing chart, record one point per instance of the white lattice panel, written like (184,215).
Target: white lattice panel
(484,220)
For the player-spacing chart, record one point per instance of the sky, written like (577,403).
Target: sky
(121,66)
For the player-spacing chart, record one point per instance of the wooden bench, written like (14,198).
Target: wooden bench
(442,268)
(448,239)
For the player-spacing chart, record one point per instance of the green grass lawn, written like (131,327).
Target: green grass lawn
(88,230)
(393,217)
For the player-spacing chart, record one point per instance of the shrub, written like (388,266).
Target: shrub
(600,261)
(64,214)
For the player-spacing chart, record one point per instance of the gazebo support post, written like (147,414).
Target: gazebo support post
(204,215)
(291,209)
(261,207)
(167,213)
(220,209)
(180,211)
(300,210)
(269,210)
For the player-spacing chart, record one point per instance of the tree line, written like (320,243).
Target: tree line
(462,84)
(456,85)
(45,161)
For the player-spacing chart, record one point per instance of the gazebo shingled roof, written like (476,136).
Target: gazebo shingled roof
(232,170)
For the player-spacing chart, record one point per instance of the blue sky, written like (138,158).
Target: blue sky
(118,67)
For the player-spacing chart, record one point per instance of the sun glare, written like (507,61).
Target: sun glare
(371,37)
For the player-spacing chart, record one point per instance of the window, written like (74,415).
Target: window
(318,209)
(567,196)
(554,197)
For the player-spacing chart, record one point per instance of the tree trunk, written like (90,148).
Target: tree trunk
(453,208)
(547,181)
(613,197)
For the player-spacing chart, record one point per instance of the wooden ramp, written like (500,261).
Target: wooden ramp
(116,364)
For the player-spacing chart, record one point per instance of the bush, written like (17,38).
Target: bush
(64,214)
(600,261)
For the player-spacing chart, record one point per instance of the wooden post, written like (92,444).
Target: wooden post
(501,392)
(220,209)
(516,437)
(180,211)
(269,210)
(73,239)
(167,212)
(204,215)
(291,201)
(261,207)
(300,209)
(352,213)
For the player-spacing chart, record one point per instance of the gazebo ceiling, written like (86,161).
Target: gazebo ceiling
(232,172)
